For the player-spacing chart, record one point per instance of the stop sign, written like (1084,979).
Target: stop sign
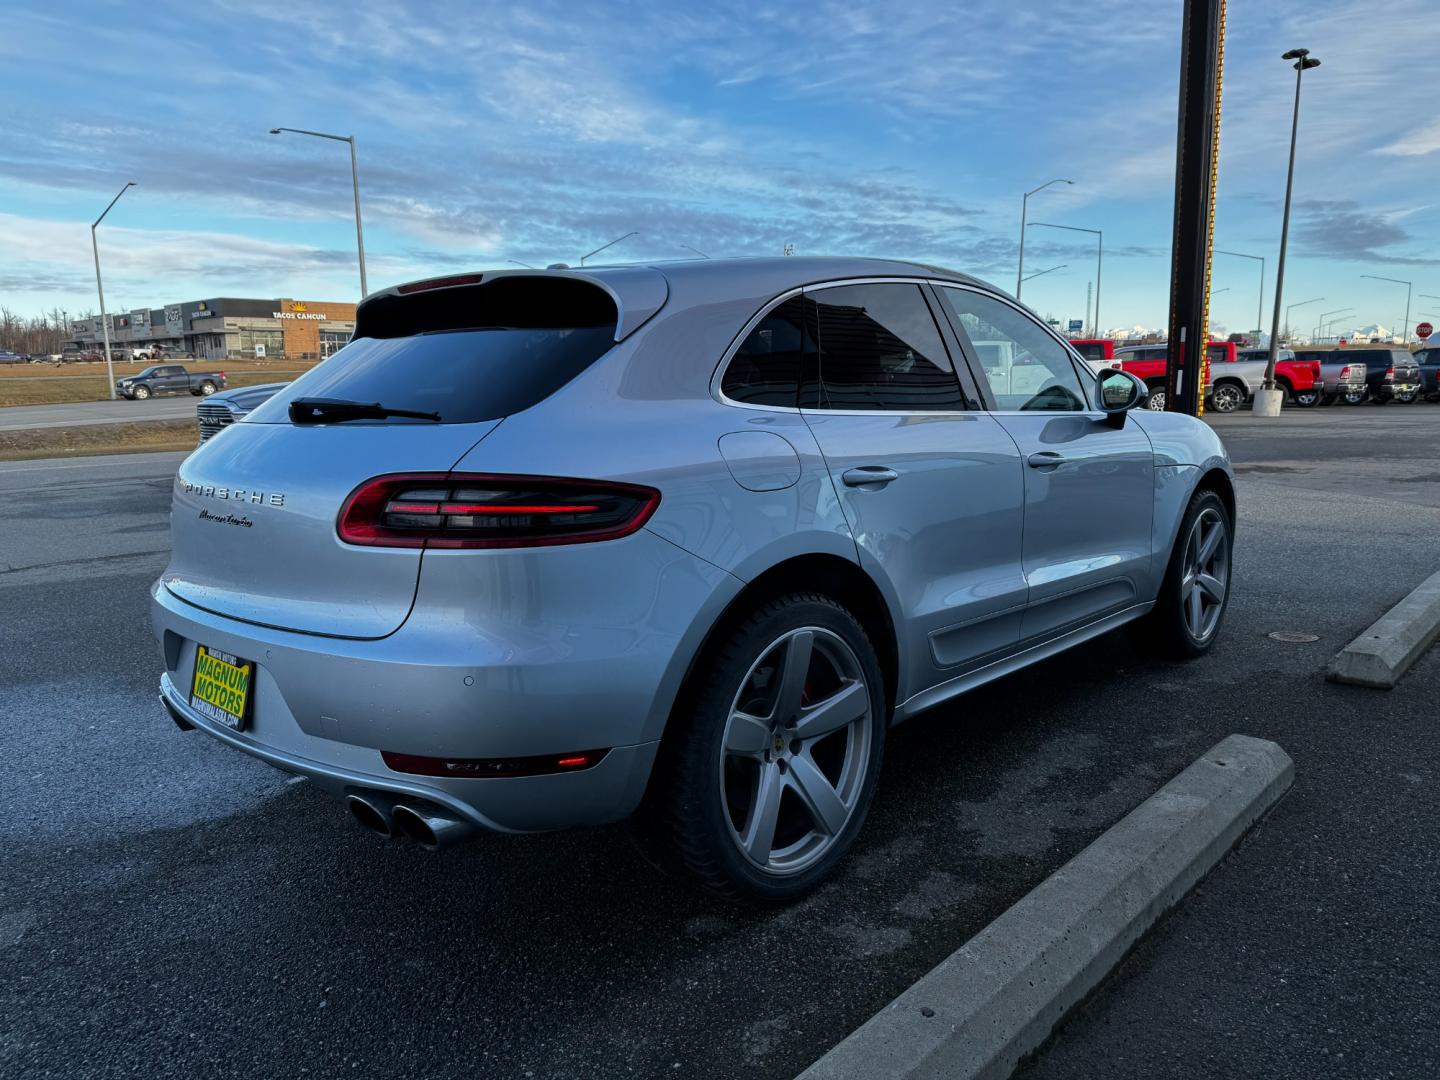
(1424,330)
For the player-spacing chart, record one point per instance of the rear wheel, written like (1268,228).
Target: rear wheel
(762,791)
(1156,401)
(1196,591)
(1407,397)
(1306,399)
(207,388)
(1353,397)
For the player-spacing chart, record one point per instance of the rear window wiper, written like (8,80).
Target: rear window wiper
(318,410)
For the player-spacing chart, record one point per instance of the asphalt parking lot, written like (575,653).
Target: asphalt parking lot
(169,908)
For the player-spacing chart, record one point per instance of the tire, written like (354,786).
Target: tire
(1226,397)
(726,761)
(141,393)
(1306,399)
(1354,397)
(1169,628)
(1156,401)
(1407,397)
(207,388)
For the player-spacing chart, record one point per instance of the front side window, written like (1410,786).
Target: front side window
(1027,369)
(879,348)
(765,370)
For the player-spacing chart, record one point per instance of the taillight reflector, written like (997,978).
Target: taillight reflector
(483,510)
(539,765)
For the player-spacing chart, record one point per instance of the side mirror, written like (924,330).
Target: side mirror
(1119,392)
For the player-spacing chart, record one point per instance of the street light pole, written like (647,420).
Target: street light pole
(1303,62)
(355,183)
(612,243)
(1292,307)
(1099,262)
(1042,273)
(1320,322)
(1020,278)
(99,288)
(1259,304)
(1405,331)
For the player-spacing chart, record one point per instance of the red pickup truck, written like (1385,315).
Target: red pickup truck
(1232,377)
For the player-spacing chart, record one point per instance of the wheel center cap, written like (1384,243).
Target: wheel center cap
(779,741)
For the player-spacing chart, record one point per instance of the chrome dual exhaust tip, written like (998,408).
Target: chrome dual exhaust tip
(429,826)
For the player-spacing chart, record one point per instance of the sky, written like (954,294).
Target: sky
(538,131)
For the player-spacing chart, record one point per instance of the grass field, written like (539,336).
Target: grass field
(92,387)
(98,439)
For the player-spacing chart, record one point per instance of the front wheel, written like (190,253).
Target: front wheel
(761,792)
(1156,401)
(1226,398)
(141,393)
(1196,591)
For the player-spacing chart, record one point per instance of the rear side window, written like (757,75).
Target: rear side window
(879,348)
(1218,354)
(765,370)
(474,353)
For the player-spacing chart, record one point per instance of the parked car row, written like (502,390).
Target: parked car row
(1308,377)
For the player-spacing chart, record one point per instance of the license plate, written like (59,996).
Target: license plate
(221,686)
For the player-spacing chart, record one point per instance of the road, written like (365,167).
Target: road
(85,413)
(170,908)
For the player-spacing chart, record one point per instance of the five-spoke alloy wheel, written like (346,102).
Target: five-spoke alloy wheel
(766,777)
(797,745)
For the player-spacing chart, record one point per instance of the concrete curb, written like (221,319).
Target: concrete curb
(1004,992)
(1385,651)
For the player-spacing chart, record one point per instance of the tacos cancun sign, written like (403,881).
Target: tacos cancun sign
(298,311)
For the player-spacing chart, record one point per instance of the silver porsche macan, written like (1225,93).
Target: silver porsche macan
(675,543)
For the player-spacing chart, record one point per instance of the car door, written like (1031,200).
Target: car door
(929,483)
(1089,486)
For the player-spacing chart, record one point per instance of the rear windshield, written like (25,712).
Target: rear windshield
(1090,350)
(464,375)
(471,353)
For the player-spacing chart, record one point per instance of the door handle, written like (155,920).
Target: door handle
(866,475)
(1045,459)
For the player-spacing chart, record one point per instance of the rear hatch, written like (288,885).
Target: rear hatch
(254,520)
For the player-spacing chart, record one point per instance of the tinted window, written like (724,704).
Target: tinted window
(1090,350)
(464,375)
(765,370)
(879,348)
(1217,354)
(1027,369)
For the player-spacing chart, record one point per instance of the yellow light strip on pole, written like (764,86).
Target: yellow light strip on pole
(1204,365)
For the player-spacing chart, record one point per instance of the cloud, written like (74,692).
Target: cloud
(1342,229)
(1417,143)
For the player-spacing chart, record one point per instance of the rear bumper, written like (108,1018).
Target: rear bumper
(548,652)
(606,792)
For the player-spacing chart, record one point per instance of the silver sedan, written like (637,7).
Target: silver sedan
(673,543)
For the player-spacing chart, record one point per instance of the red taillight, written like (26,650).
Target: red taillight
(481,510)
(539,765)
(1344,373)
(1390,375)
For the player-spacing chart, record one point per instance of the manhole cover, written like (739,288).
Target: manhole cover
(1294,637)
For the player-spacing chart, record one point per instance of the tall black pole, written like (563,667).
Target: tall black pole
(1196,150)
(1303,62)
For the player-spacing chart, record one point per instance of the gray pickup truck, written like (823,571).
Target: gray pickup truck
(169,379)
(1342,376)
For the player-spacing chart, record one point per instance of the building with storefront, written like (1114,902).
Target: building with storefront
(227,328)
